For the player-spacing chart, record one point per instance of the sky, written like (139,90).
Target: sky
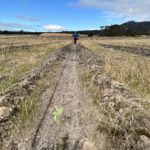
(59,15)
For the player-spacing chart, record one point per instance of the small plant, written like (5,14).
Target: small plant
(57,113)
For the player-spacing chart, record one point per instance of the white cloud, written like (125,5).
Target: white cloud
(17,26)
(25,18)
(121,9)
(93,29)
(14,26)
(53,27)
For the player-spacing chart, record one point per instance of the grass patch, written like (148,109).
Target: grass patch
(85,78)
(2,68)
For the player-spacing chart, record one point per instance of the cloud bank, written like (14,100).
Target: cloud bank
(14,26)
(53,27)
(138,10)
(17,26)
(25,18)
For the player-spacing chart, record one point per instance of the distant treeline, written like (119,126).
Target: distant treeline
(93,32)
(130,28)
(85,32)
(5,32)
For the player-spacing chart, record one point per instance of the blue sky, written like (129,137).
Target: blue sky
(57,15)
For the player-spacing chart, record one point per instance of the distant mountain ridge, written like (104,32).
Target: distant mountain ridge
(138,27)
(130,28)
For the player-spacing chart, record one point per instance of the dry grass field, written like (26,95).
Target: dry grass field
(125,41)
(14,65)
(118,83)
(128,68)
(95,96)
(60,35)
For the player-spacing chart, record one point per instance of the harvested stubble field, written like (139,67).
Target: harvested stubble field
(57,97)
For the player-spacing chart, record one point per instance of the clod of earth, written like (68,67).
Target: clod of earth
(5,113)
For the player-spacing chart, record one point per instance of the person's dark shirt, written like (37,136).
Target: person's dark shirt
(75,35)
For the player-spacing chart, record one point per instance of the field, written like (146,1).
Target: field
(95,96)
(59,35)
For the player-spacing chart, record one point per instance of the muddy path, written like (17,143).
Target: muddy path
(136,50)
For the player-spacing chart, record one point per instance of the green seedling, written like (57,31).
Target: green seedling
(57,113)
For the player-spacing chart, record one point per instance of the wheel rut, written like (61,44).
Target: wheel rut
(67,133)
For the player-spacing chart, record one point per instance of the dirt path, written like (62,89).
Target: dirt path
(66,96)
(68,132)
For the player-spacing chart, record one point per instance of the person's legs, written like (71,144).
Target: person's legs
(75,41)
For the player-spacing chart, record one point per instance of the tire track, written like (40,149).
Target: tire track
(42,120)
(68,133)
(136,50)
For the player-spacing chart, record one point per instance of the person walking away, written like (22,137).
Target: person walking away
(75,38)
